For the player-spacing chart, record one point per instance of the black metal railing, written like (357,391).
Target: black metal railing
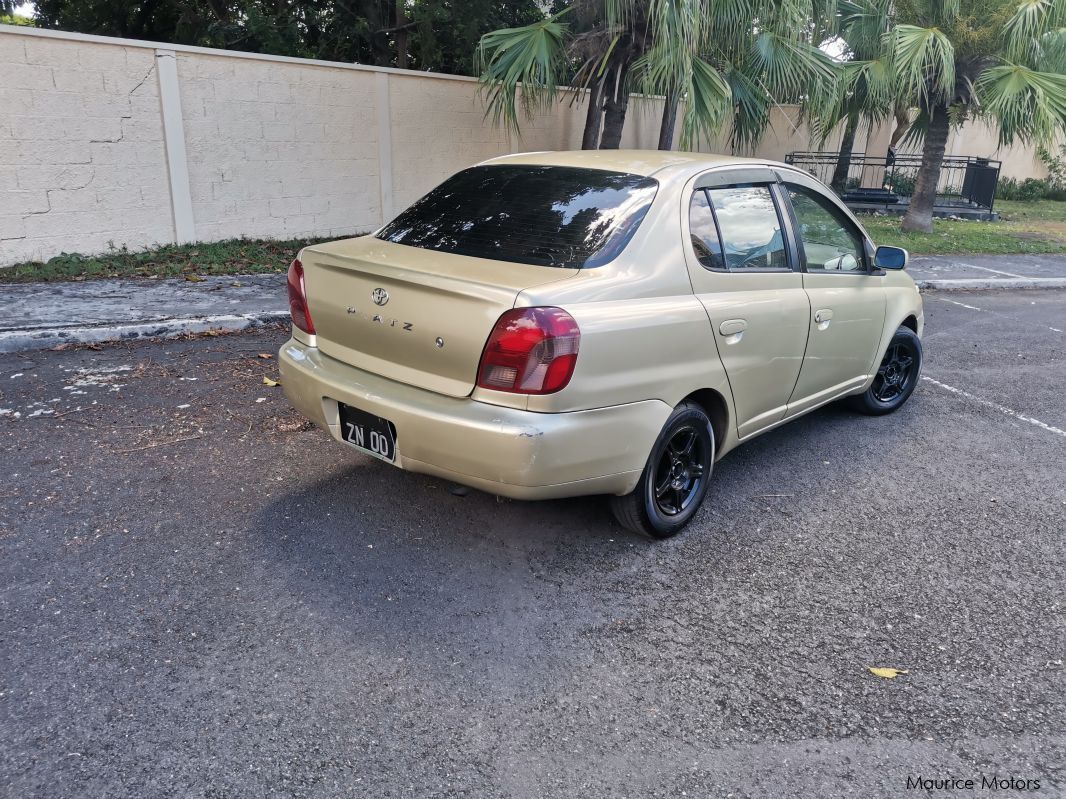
(966,182)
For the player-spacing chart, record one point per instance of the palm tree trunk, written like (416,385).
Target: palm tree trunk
(920,211)
(590,138)
(617,104)
(847,146)
(666,128)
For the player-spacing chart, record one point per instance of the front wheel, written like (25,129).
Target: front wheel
(674,481)
(896,377)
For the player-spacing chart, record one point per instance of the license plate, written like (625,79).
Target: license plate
(370,433)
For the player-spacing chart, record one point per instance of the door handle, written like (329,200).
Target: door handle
(730,327)
(824,315)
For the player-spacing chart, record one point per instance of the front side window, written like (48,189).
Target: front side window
(542,215)
(830,241)
(751,229)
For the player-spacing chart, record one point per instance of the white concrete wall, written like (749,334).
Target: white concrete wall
(118,143)
(279,151)
(82,164)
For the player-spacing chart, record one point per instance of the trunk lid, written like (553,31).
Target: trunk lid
(421,295)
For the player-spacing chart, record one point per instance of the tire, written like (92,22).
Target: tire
(681,459)
(896,377)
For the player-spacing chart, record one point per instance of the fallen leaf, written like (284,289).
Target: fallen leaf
(268,382)
(194,278)
(886,671)
(266,356)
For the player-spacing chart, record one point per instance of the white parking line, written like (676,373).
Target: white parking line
(985,310)
(986,269)
(961,304)
(1001,408)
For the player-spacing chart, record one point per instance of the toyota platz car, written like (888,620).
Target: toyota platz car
(599,322)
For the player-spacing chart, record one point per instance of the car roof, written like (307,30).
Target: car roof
(637,162)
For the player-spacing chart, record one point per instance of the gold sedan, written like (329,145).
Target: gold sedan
(599,322)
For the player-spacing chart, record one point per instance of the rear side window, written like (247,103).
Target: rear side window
(542,215)
(751,228)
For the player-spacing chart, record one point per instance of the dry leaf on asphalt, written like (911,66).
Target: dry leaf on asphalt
(266,356)
(886,671)
(268,382)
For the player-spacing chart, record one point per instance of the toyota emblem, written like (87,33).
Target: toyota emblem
(379,296)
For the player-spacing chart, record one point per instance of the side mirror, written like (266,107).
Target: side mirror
(890,258)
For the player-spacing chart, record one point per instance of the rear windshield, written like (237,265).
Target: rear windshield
(542,215)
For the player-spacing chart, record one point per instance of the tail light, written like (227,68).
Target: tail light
(530,351)
(301,316)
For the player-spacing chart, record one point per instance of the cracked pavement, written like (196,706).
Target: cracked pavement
(201,596)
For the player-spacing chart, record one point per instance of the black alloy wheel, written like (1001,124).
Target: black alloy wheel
(897,372)
(674,481)
(896,377)
(679,474)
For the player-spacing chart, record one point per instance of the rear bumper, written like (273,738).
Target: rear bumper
(513,453)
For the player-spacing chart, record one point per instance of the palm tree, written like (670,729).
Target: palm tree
(865,92)
(710,59)
(998,60)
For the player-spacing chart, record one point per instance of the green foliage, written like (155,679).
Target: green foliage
(1000,60)
(1055,164)
(902,183)
(1053,187)
(531,57)
(234,257)
(707,55)
(446,32)
(15,19)
(436,35)
(1029,189)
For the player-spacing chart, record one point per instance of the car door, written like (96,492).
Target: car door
(847,299)
(741,260)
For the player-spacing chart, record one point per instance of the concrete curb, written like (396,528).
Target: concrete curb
(978,284)
(44,338)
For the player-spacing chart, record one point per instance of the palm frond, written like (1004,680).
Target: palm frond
(532,57)
(1026,28)
(862,25)
(752,106)
(709,102)
(1028,106)
(924,61)
(1052,57)
(791,68)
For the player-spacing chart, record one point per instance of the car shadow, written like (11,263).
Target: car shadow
(362,537)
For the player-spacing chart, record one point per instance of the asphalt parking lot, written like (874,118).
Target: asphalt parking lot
(200,596)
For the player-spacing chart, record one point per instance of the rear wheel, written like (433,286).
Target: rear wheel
(896,377)
(674,481)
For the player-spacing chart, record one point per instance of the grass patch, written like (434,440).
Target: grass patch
(1025,227)
(234,257)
